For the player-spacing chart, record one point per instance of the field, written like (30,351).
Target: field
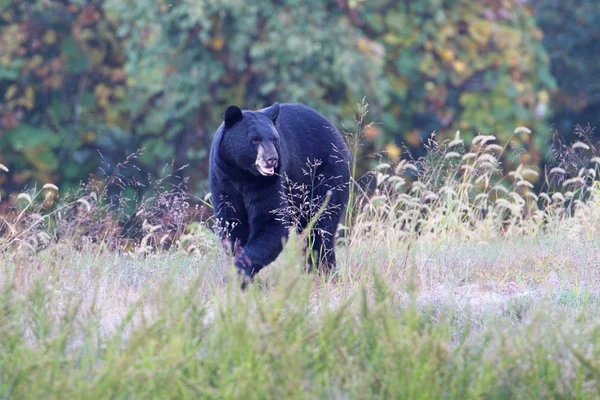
(455,281)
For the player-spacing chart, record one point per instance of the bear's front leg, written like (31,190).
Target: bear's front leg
(263,246)
(232,220)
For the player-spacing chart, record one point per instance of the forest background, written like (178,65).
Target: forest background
(84,84)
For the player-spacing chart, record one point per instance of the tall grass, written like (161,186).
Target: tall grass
(109,327)
(455,280)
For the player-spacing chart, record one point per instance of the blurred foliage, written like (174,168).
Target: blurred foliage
(461,65)
(572,39)
(84,83)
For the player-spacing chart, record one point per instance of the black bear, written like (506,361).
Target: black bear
(272,169)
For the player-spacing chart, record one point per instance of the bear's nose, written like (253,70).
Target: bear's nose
(272,162)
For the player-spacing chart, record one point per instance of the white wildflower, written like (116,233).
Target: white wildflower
(580,145)
(486,165)
(50,186)
(468,156)
(429,196)
(529,171)
(457,140)
(573,181)
(25,196)
(86,204)
(545,197)
(481,196)
(483,139)
(451,154)
(503,203)
(525,183)
(500,188)
(487,158)
(493,147)
(516,175)
(532,196)
(517,197)
(521,129)
(558,197)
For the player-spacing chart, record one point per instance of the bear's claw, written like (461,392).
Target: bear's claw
(245,278)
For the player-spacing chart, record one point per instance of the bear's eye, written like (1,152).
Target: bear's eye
(255,141)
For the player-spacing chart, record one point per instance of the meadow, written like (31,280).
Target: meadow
(454,280)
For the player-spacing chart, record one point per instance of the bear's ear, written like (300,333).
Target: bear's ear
(272,112)
(233,115)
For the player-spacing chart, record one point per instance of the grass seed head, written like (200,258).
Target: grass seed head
(580,145)
(522,129)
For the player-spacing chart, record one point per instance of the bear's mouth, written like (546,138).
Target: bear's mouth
(266,160)
(264,170)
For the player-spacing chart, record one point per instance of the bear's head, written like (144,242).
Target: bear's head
(251,139)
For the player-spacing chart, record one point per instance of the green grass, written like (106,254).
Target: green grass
(454,281)
(89,324)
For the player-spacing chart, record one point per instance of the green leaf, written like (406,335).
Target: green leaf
(9,74)
(76,62)
(25,136)
(59,111)
(42,158)
(71,170)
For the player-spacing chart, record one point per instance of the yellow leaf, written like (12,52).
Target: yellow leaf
(119,92)
(429,66)
(413,138)
(29,99)
(367,46)
(460,66)
(36,61)
(371,132)
(446,55)
(10,92)
(507,37)
(512,57)
(102,93)
(95,55)
(89,137)
(393,151)
(41,158)
(218,42)
(49,37)
(392,39)
(113,116)
(520,87)
(480,31)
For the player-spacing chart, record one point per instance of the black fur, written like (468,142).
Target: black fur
(293,136)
